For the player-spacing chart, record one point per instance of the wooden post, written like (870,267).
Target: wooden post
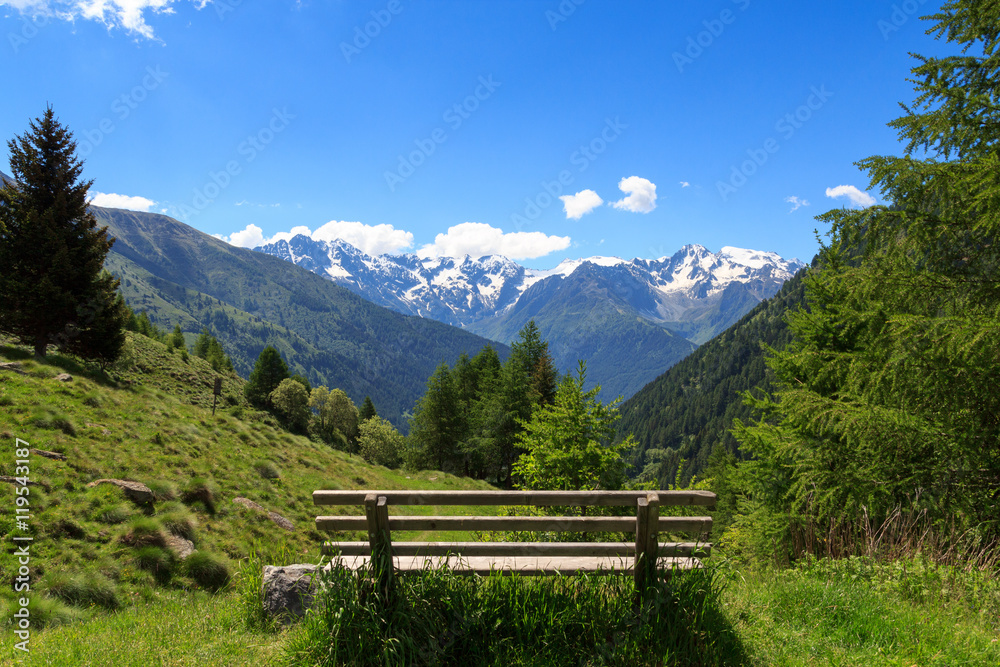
(646,542)
(377,513)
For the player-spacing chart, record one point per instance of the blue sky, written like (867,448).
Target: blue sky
(456,127)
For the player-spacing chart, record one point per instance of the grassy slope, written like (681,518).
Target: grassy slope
(154,425)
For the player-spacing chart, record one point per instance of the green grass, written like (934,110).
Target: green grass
(860,612)
(149,420)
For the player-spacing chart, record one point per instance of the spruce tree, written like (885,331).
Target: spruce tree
(367,410)
(51,250)
(265,377)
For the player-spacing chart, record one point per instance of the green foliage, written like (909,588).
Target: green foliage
(888,391)
(202,491)
(291,401)
(569,444)
(52,288)
(469,418)
(367,410)
(208,347)
(380,443)
(156,560)
(267,374)
(687,413)
(335,419)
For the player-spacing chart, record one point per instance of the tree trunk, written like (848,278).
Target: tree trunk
(40,345)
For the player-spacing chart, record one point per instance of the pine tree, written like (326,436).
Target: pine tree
(51,250)
(888,390)
(367,410)
(569,445)
(268,372)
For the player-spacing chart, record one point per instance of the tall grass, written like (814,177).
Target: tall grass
(440,618)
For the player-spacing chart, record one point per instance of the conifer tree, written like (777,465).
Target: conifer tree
(268,372)
(52,252)
(367,410)
(888,391)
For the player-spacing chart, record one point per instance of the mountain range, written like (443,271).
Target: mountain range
(179,275)
(629,319)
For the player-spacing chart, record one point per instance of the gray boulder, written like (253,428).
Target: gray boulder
(289,590)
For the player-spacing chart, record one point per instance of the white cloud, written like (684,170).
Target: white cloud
(251,237)
(641,195)
(111,200)
(796,203)
(685,184)
(478,239)
(856,196)
(128,15)
(374,240)
(580,204)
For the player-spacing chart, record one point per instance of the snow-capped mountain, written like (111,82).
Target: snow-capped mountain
(464,291)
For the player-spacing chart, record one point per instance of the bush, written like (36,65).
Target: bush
(380,443)
(83,590)
(207,570)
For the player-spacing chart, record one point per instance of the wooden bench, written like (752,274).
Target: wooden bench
(526,558)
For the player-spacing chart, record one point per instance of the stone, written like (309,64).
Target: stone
(274,516)
(137,492)
(180,547)
(64,377)
(289,591)
(13,366)
(55,456)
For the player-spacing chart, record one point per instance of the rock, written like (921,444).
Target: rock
(134,491)
(64,377)
(274,516)
(281,521)
(17,480)
(180,547)
(13,366)
(289,590)
(49,455)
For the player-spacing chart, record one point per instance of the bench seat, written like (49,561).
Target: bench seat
(522,565)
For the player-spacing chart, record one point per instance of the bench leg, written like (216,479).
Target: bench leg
(377,513)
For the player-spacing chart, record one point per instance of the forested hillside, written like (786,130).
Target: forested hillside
(249,300)
(688,412)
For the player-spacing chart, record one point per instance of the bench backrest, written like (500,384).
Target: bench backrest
(645,523)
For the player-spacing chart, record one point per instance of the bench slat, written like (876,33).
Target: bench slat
(527,565)
(582,524)
(538,498)
(508,549)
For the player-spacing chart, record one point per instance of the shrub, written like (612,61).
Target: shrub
(207,570)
